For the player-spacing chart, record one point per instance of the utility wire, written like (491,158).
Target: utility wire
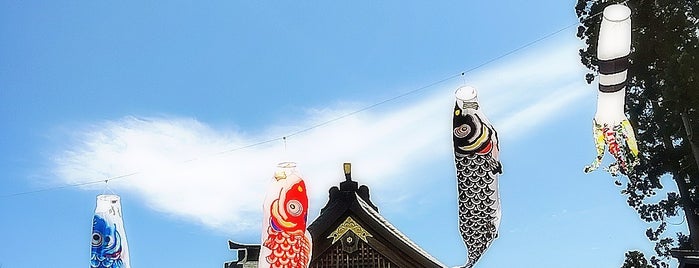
(70,185)
(324,123)
(373,105)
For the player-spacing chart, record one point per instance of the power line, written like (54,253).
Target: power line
(324,123)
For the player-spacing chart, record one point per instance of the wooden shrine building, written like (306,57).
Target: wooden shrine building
(350,232)
(687,258)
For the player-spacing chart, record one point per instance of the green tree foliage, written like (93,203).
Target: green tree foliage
(635,259)
(662,103)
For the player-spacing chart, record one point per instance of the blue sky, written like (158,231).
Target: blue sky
(92,90)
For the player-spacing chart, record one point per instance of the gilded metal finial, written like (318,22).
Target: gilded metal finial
(348,171)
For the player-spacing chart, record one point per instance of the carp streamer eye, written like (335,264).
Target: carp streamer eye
(96,239)
(462,131)
(109,240)
(294,208)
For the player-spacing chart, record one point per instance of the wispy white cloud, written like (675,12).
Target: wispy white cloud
(181,170)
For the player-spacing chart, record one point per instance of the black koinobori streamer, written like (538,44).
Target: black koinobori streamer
(476,153)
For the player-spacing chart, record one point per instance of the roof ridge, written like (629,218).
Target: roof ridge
(375,214)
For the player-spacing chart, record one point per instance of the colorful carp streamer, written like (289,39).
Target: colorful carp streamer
(109,247)
(285,241)
(610,126)
(476,154)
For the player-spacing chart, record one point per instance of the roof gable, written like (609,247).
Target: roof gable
(350,214)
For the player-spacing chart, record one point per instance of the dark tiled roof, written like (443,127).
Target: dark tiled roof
(353,200)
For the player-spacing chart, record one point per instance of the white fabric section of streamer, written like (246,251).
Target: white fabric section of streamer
(615,33)
(610,107)
(614,42)
(612,79)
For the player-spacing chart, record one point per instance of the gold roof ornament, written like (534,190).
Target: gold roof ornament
(349,225)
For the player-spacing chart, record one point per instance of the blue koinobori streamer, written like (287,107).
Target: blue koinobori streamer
(109,246)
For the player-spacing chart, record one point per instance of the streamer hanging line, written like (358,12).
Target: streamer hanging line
(321,124)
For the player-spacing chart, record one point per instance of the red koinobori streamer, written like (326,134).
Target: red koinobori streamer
(610,126)
(285,241)
(476,152)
